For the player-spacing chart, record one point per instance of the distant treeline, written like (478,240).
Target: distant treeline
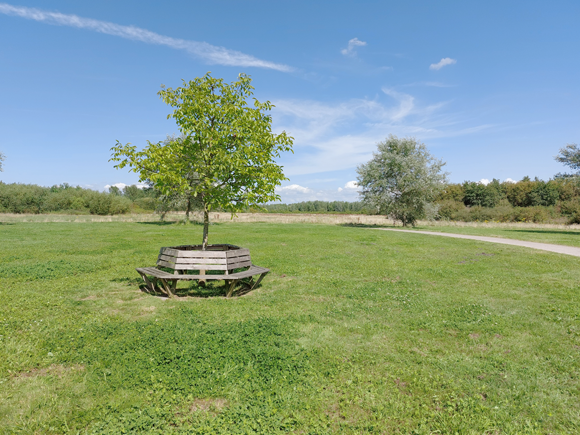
(523,201)
(30,198)
(320,207)
(528,200)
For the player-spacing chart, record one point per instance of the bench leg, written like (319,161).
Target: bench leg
(167,287)
(232,286)
(150,285)
(259,280)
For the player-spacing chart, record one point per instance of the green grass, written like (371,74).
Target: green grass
(353,331)
(569,237)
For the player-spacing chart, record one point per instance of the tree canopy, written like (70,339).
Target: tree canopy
(226,153)
(1,160)
(401,180)
(570,156)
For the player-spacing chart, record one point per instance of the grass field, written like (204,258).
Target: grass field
(569,236)
(354,331)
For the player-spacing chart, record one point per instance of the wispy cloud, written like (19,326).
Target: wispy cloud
(406,104)
(333,137)
(210,53)
(429,84)
(443,62)
(350,49)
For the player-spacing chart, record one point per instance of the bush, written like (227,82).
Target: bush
(22,198)
(569,208)
(146,203)
(119,205)
(449,209)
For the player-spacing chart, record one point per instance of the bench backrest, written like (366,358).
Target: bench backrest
(204,260)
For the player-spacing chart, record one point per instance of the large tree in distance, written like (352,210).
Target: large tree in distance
(570,156)
(401,180)
(226,153)
(1,160)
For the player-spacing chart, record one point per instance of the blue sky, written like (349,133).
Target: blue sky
(490,87)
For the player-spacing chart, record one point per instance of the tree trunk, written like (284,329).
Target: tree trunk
(205,227)
(188,210)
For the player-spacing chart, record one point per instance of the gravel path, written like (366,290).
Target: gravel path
(560,249)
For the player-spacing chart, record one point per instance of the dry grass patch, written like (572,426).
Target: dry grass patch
(208,405)
(57,370)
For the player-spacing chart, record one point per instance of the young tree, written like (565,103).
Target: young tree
(401,180)
(570,156)
(226,154)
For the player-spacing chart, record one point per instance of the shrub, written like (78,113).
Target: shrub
(449,209)
(119,205)
(22,198)
(146,203)
(531,214)
(569,208)
(99,203)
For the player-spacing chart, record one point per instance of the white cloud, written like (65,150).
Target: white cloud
(443,62)
(294,188)
(333,137)
(350,49)
(484,181)
(210,53)
(351,185)
(117,185)
(509,180)
(121,186)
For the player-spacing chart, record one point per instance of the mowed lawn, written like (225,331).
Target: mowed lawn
(354,331)
(567,237)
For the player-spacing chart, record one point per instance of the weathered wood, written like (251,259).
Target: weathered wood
(199,267)
(187,254)
(238,252)
(169,281)
(239,264)
(194,260)
(231,287)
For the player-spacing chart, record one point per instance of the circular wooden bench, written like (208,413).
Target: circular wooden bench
(182,260)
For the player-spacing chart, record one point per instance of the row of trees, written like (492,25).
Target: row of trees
(30,198)
(524,193)
(357,207)
(405,182)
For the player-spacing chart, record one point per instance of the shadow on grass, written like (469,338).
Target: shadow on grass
(212,289)
(355,225)
(158,223)
(178,222)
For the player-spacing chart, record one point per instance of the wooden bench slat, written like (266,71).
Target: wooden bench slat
(238,253)
(192,254)
(153,271)
(196,266)
(180,260)
(237,265)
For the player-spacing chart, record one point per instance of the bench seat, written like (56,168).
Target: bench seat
(231,279)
